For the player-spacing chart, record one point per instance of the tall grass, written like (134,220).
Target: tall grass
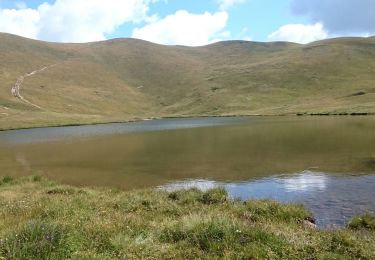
(43,220)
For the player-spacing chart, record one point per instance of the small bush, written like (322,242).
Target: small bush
(365,221)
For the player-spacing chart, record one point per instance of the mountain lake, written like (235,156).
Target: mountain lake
(324,163)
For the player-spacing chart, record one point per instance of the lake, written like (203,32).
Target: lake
(325,163)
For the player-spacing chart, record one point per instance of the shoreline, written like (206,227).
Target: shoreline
(47,220)
(184,117)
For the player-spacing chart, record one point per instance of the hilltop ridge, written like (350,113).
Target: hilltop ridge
(124,79)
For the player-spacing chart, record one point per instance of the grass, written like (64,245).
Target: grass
(40,219)
(125,79)
(365,221)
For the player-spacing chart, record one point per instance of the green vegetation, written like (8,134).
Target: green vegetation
(43,220)
(126,79)
(365,221)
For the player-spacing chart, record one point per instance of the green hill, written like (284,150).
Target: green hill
(124,79)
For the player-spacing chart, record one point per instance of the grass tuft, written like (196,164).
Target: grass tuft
(37,240)
(37,178)
(267,209)
(7,180)
(215,196)
(217,234)
(365,221)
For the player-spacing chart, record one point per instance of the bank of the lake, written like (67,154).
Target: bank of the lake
(43,220)
(32,123)
(11,124)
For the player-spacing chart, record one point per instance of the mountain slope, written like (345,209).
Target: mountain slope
(124,79)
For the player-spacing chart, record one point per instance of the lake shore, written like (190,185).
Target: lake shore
(41,219)
(66,124)
(104,122)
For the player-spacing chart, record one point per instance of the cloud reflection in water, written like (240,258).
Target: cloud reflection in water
(329,197)
(307,181)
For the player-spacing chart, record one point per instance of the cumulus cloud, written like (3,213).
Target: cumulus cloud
(339,17)
(22,22)
(82,20)
(299,33)
(226,4)
(73,20)
(184,28)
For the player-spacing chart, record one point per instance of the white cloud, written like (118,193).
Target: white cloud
(22,22)
(82,20)
(184,28)
(299,33)
(226,4)
(73,20)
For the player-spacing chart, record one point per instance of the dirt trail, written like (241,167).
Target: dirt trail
(16,88)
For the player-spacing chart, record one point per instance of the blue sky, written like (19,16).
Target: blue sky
(193,22)
(251,15)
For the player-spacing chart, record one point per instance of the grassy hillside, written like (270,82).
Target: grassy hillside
(43,220)
(125,79)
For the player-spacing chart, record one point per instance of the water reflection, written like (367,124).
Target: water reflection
(228,150)
(333,199)
(37,135)
(203,185)
(306,182)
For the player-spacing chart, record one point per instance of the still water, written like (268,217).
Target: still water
(326,163)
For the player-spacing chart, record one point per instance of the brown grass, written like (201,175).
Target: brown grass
(124,79)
